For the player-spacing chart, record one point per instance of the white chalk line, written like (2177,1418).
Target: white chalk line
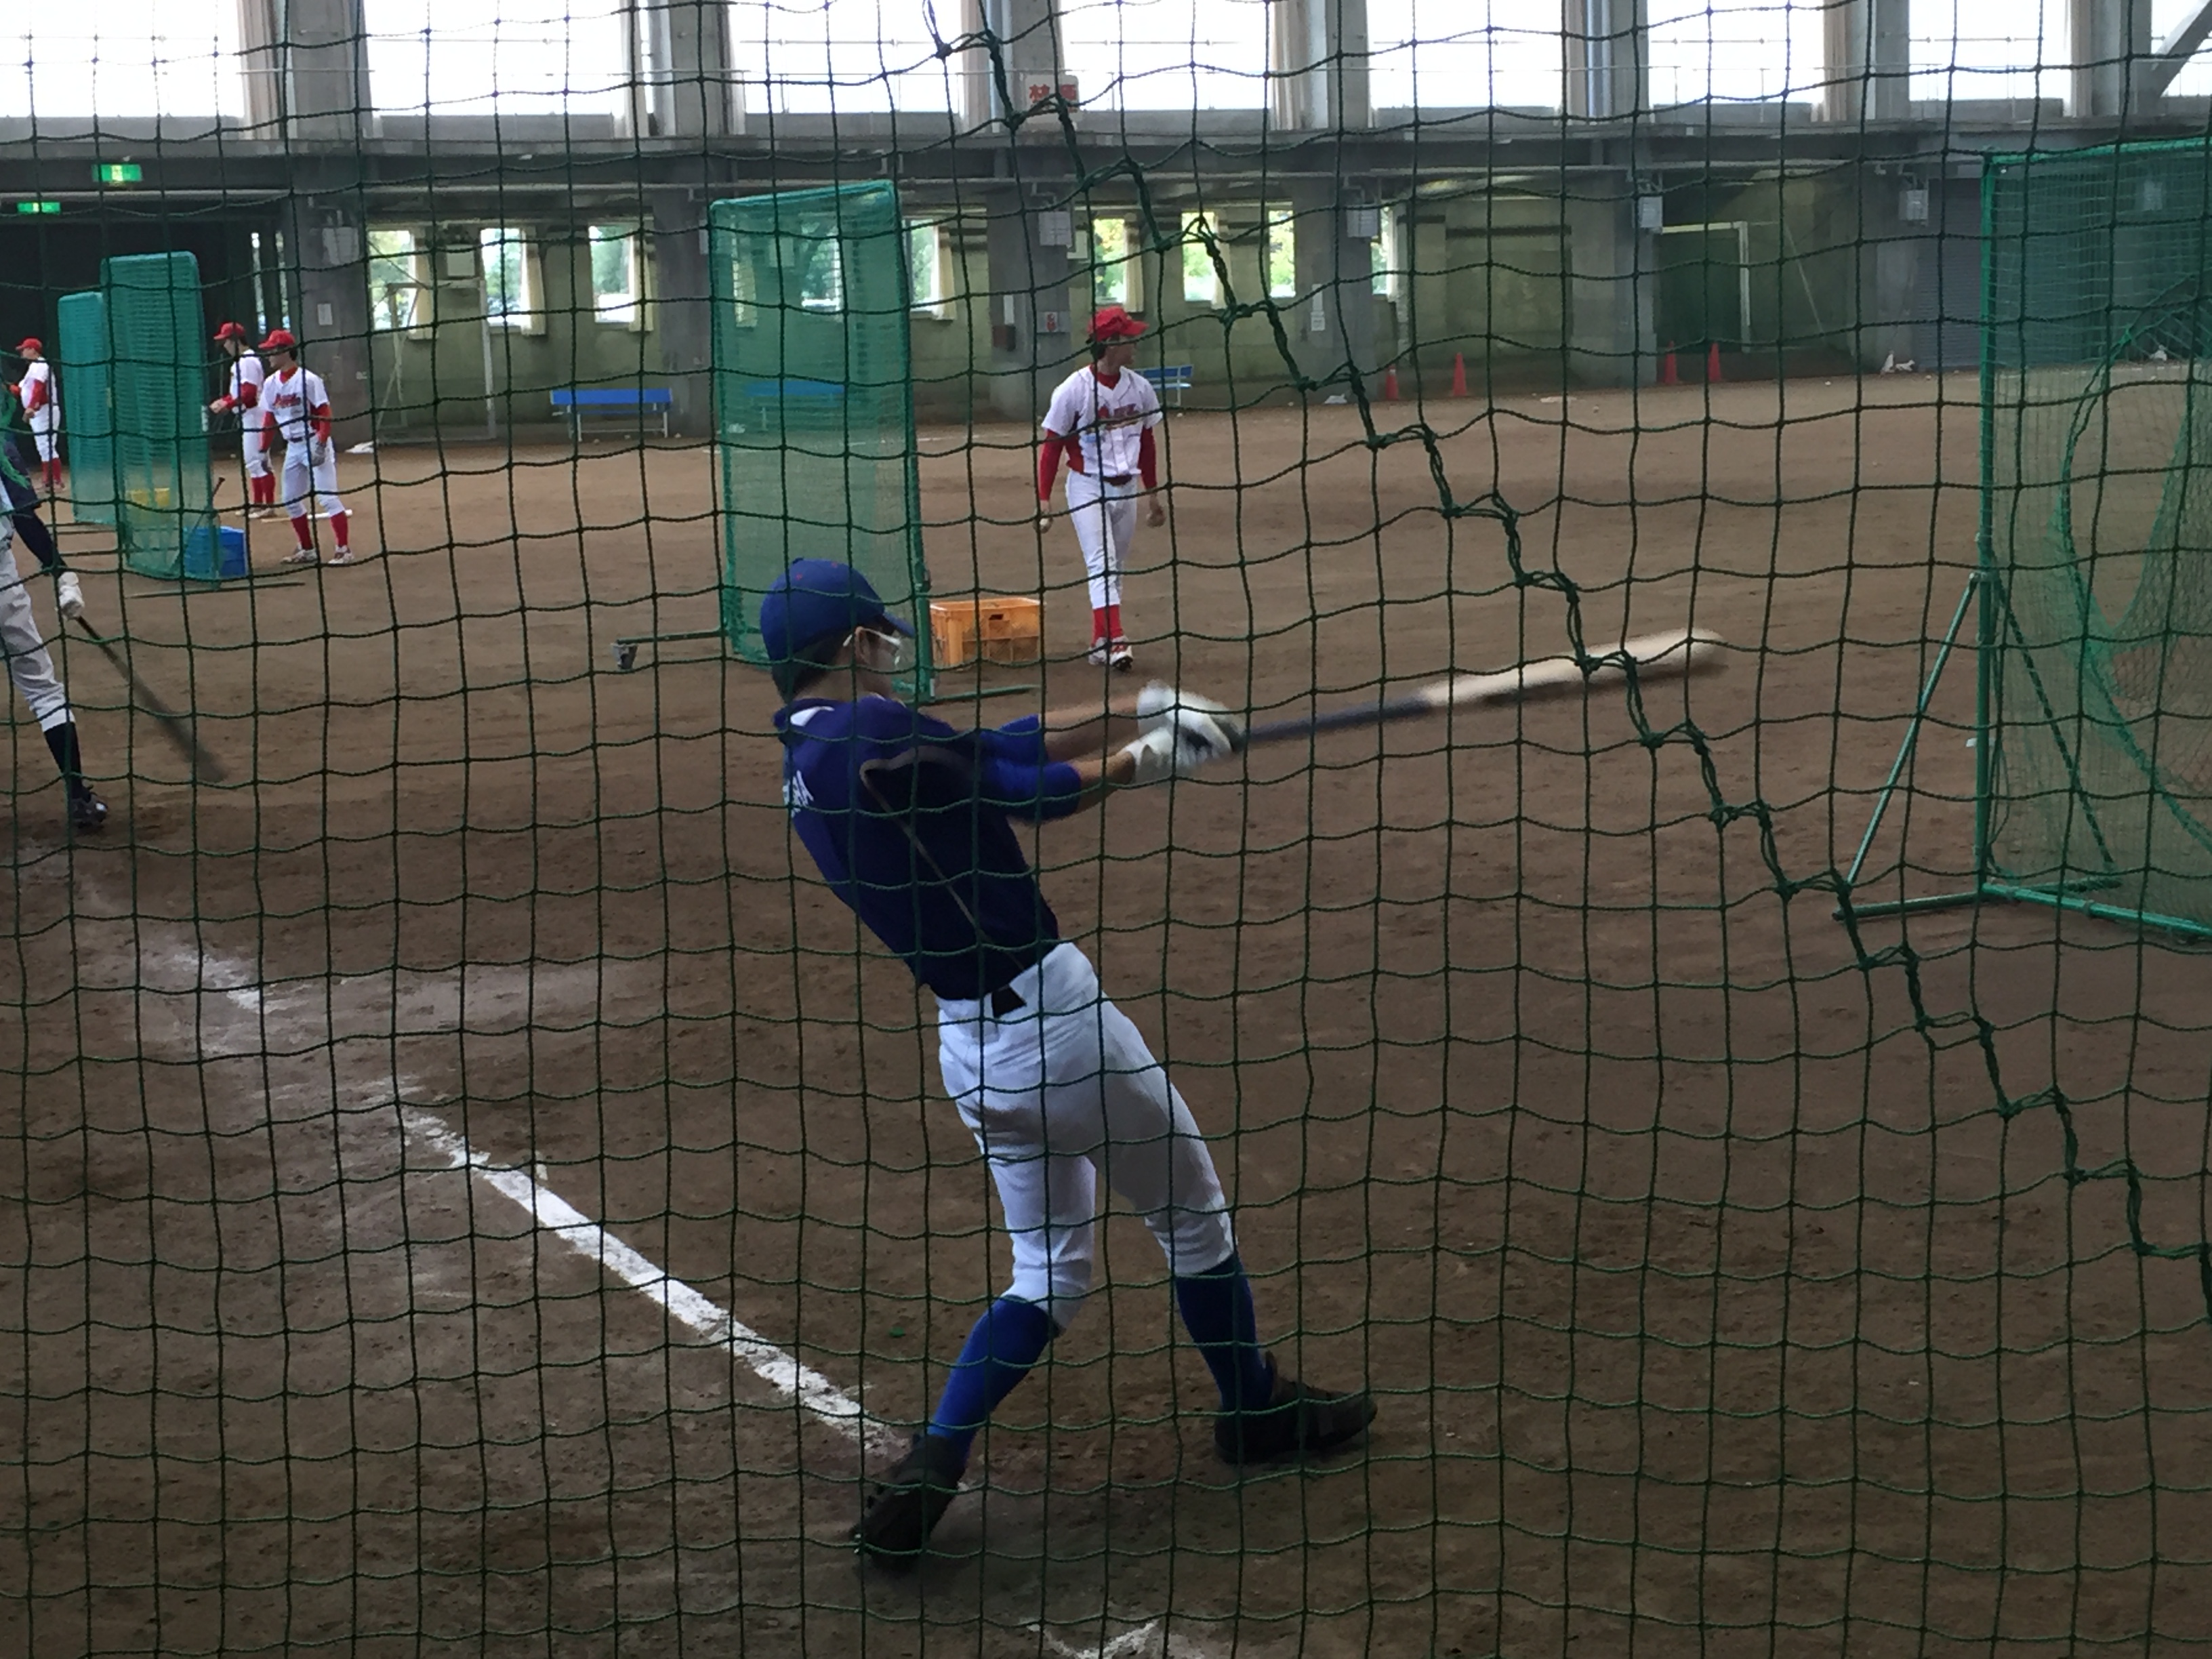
(691,1309)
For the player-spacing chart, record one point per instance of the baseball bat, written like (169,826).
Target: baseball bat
(177,728)
(1681,652)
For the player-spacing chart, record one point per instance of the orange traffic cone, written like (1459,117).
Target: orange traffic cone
(1390,384)
(1459,374)
(1669,373)
(1713,376)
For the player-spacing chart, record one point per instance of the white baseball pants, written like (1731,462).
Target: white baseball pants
(1058,1092)
(304,485)
(1105,518)
(253,445)
(45,432)
(24,646)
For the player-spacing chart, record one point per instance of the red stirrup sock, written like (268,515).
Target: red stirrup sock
(1114,622)
(1099,614)
(300,529)
(338,531)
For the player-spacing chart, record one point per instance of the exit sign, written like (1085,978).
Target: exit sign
(38,207)
(118,172)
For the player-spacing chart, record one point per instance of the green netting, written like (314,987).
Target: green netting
(814,396)
(84,361)
(2099,436)
(164,480)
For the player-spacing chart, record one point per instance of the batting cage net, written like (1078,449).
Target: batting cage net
(1510,969)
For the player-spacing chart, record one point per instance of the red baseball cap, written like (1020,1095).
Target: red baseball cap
(31,344)
(280,339)
(230,332)
(1111,323)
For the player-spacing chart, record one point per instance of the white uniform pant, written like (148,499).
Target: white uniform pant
(1064,1090)
(304,485)
(21,643)
(253,445)
(46,431)
(1105,518)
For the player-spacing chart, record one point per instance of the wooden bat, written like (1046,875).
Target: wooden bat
(1670,655)
(177,728)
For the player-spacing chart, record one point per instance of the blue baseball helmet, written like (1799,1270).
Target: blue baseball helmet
(817,600)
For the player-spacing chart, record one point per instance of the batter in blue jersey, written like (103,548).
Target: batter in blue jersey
(911,823)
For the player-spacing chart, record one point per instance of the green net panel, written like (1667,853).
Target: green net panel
(84,361)
(814,396)
(2098,781)
(164,481)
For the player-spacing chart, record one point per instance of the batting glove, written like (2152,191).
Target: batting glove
(1207,721)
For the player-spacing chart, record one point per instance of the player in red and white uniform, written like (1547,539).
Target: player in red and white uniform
(243,394)
(300,408)
(1102,419)
(43,409)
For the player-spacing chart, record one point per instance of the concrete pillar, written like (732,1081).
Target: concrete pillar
(260,64)
(682,70)
(1611,285)
(1025,35)
(682,307)
(1317,64)
(1866,57)
(1333,326)
(321,54)
(2111,44)
(1035,337)
(1608,59)
(329,245)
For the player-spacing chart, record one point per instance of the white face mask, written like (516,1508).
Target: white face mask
(888,655)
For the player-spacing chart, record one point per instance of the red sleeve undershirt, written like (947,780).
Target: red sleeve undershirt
(34,394)
(323,421)
(1049,462)
(249,394)
(1148,460)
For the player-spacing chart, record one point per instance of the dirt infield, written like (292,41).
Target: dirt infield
(1727,1290)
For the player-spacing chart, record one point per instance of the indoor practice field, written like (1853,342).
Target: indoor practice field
(1727,1079)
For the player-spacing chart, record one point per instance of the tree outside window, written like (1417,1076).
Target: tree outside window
(925,265)
(510,297)
(617,274)
(1282,254)
(1390,265)
(1201,282)
(397,289)
(1113,266)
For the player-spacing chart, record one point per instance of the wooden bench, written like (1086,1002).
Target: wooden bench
(633,402)
(1172,377)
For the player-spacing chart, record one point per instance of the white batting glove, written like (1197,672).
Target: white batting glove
(1174,751)
(1207,721)
(319,452)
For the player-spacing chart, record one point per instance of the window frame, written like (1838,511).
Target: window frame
(527,317)
(422,278)
(1210,220)
(640,302)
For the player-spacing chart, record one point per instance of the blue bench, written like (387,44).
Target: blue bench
(1172,377)
(634,402)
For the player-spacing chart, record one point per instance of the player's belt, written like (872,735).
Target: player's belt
(1006,1001)
(1117,479)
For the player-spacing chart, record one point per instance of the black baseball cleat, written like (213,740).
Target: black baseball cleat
(1299,1420)
(88,812)
(909,1502)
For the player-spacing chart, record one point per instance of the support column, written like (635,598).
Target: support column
(682,70)
(1866,60)
(330,247)
(1034,336)
(1608,59)
(1333,326)
(682,307)
(2111,49)
(322,49)
(1026,34)
(1611,265)
(1317,64)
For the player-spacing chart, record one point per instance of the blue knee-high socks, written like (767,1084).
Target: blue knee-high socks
(1009,1340)
(1217,1311)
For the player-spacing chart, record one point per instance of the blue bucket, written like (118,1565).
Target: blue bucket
(215,553)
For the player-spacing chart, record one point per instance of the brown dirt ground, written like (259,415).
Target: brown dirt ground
(1726,1283)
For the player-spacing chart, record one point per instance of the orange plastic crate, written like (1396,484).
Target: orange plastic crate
(998,628)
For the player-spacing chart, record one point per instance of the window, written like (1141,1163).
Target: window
(398,281)
(744,294)
(820,263)
(510,278)
(925,265)
(618,274)
(1116,271)
(1390,264)
(1201,282)
(1282,254)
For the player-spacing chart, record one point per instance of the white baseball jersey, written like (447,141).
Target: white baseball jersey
(1107,421)
(247,371)
(36,393)
(297,403)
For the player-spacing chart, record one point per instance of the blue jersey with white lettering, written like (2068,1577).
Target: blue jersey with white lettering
(910,821)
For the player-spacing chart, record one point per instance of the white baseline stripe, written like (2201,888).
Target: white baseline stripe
(690,1307)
